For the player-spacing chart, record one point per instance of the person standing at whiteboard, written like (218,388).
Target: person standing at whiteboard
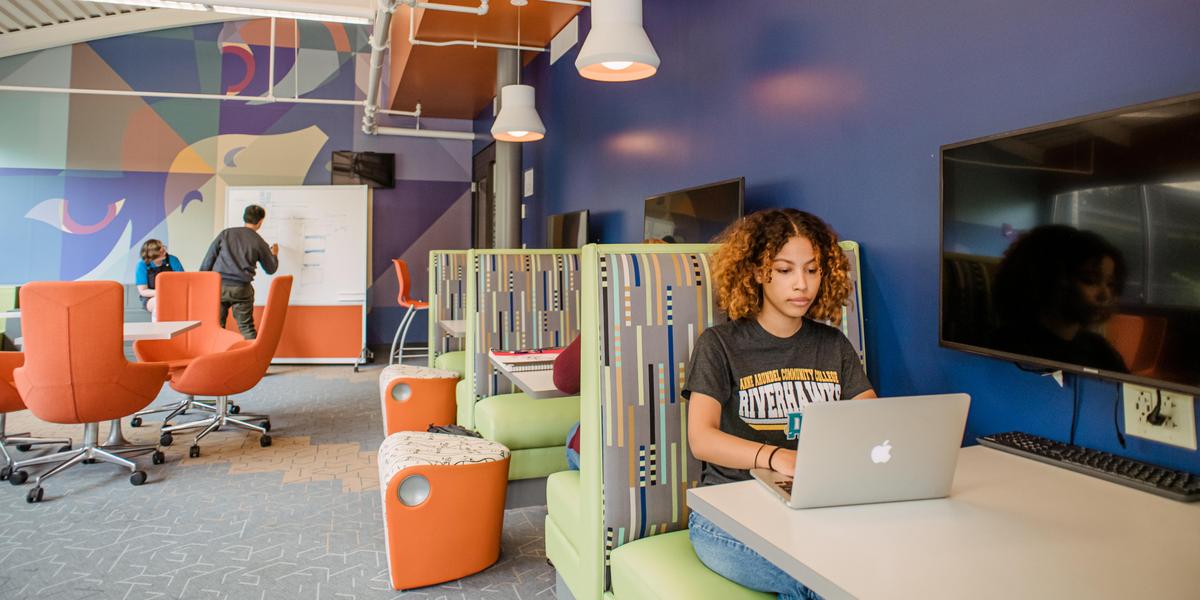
(234,255)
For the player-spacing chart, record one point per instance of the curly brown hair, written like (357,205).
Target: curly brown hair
(748,248)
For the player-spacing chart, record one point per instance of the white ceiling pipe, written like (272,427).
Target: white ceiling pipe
(379,44)
(481,10)
(412,38)
(426,133)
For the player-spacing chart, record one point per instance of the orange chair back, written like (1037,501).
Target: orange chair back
(189,296)
(274,313)
(405,282)
(75,369)
(10,400)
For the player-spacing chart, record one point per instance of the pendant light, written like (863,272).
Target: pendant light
(518,120)
(617,48)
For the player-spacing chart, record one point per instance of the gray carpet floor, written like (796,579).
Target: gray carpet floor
(299,520)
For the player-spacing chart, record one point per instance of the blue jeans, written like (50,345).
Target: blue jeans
(572,456)
(735,561)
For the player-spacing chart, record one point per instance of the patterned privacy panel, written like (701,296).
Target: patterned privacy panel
(450,300)
(523,301)
(653,308)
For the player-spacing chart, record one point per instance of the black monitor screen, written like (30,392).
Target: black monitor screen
(1076,245)
(694,215)
(567,230)
(375,169)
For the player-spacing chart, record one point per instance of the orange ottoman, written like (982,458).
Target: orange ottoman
(443,505)
(413,398)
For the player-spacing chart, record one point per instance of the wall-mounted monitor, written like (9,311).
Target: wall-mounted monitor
(694,215)
(374,169)
(1076,245)
(567,230)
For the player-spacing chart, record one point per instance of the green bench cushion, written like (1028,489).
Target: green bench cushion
(665,566)
(521,422)
(531,463)
(452,361)
(563,504)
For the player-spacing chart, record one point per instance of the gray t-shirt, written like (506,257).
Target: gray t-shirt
(759,378)
(234,254)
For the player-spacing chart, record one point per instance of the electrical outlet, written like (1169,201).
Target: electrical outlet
(1179,428)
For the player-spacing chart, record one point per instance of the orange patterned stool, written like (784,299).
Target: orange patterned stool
(413,398)
(443,505)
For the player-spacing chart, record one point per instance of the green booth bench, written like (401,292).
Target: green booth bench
(518,299)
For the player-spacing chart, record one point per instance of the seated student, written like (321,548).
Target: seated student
(777,273)
(155,260)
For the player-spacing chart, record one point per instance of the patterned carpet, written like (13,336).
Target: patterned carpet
(298,520)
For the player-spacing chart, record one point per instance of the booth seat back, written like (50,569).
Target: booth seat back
(447,298)
(646,306)
(516,299)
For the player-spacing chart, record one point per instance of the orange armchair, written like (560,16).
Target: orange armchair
(233,371)
(186,296)
(10,401)
(75,371)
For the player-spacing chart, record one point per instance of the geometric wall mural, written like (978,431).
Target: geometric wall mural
(85,179)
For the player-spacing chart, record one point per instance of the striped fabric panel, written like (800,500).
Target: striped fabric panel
(523,301)
(450,272)
(654,306)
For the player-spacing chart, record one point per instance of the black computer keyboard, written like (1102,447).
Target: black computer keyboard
(1169,483)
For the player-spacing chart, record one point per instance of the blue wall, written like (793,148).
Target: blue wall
(840,108)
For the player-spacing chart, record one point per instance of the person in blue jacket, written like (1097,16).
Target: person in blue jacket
(155,260)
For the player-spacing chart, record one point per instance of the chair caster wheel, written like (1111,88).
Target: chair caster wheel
(66,448)
(158,457)
(266,425)
(18,477)
(194,452)
(135,422)
(24,447)
(264,441)
(165,439)
(5,472)
(89,461)
(235,409)
(138,478)
(34,495)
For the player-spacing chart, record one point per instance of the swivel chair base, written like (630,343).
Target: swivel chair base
(220,418)
(22,442)
(90,451)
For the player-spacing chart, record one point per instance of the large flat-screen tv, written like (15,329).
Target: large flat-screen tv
(1076,245)
(694,215)
(567,230)
(375,169)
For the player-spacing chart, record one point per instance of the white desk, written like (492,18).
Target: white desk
(10,314)
(455,327)
(1012,528)
(162,330)
(536,384)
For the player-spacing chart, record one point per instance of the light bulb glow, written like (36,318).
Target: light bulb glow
(617,65)
(518,134)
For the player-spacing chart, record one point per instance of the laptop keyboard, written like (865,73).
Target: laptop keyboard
(785,485)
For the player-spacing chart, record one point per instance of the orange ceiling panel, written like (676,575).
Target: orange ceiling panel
(460,81)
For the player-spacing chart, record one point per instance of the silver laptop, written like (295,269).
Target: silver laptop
(877,450)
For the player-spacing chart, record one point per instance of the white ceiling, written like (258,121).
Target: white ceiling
(30,25)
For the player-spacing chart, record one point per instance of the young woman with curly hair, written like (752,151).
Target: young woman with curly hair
(778,274)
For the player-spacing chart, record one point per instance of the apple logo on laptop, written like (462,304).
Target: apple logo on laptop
(882,453)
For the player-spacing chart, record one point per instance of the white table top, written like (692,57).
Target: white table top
(162,330)
(10,314)
(536,384)
(1012,528)
(454,327)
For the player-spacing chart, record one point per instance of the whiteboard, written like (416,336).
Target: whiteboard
(322,232)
